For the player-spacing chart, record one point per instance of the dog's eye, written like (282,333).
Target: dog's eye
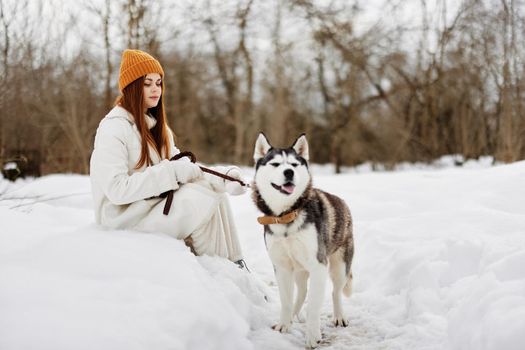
(294,165)
(275,165)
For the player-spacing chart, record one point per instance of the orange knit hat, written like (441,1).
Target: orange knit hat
(135,64)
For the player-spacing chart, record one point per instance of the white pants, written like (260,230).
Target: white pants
(219,235)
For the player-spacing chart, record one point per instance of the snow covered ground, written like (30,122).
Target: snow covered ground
(439,264)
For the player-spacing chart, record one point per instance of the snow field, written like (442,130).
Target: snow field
(439,264)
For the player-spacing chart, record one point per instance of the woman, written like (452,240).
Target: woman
(130,168)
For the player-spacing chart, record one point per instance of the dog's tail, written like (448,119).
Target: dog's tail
(347,289)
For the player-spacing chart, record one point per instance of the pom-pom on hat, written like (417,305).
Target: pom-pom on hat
(136,64)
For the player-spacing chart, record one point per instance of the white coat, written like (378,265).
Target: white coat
(127,198)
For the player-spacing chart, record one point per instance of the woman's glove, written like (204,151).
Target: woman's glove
(221,185)
(233,187)
(185,171)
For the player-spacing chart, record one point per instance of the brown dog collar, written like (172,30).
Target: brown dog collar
(283,219)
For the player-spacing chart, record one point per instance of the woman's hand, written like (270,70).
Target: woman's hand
(221,185)
(233,187)
(186,171)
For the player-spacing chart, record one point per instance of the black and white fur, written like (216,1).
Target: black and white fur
(316,244)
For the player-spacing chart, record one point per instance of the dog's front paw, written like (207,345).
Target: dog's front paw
(313,341)
(280,327)
(340,321)
(313,338)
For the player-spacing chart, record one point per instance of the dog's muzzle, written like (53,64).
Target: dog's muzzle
(286,188)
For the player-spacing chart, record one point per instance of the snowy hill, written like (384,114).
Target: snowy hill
(439,264)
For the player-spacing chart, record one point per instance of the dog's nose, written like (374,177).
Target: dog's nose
(288,174)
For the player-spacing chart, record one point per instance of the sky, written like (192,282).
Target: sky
(439,263)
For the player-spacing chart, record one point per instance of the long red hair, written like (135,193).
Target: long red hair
(132,100)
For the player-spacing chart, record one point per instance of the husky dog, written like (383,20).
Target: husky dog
(308,234)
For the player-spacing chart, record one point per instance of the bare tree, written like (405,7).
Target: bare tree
(104,14)
(510,142)
(144,19)
(236,75)
(8,16)
(281,91)
(351,71)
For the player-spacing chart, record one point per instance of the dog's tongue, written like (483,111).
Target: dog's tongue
(288,188)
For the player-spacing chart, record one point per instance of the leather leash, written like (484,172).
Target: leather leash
(193,159)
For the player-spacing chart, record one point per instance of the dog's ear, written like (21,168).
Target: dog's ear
(301,146)
(262,146)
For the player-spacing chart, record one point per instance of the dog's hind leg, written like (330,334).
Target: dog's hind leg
(301,280)
(339,280)
(284,279)
(347,290)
